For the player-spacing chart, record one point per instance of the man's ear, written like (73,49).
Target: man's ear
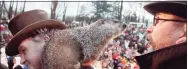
(183,36)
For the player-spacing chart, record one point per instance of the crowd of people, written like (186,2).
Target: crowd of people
(122,49)
(5,33)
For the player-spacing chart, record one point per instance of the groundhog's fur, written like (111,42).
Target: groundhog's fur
(68,48)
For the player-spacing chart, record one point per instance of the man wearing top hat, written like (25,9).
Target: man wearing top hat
(46,44)
(29,31)
(167,36)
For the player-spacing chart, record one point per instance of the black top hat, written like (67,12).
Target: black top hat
(178,8)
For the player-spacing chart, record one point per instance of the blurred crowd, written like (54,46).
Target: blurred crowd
(5,33)
(121,51)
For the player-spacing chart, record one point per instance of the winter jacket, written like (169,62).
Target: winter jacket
(172,57)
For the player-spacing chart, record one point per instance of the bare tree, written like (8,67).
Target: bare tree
(64,11)
(16,8)
(23,9)
(83,14)
(77,10)
(1,9)
(121,8)
(101,9)
(58,9)
(9,11)
(53,9)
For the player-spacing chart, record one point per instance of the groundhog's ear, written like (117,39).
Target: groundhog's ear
(46,37)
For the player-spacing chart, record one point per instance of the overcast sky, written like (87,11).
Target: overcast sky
(73,6)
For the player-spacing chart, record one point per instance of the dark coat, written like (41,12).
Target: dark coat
(172,57)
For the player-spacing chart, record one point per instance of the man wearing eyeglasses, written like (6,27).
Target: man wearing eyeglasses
(167,36)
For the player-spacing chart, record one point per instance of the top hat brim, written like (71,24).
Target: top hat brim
(12,46)
(175,8)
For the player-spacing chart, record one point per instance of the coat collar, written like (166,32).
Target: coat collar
(154,59)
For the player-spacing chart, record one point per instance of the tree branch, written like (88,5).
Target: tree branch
(3,4)
(16,8)
(24,6)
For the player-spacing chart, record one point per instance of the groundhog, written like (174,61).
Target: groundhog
(70,48)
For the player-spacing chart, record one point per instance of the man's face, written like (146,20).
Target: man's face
(164,33)
(30,52)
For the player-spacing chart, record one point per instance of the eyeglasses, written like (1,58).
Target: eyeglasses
(156,20)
